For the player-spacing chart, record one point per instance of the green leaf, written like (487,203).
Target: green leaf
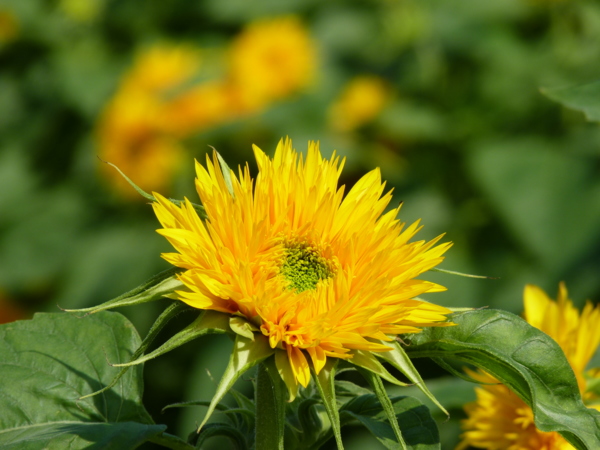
(79,435)
(173,310)
(418,427)
(49,362)
(310,421)
(241,400)
(380,429)
(246,354)
(248,416)
(157,287)
(222,429)
(171,441)
(326,386)
(522,357)
(583,97)
(208,322)
(219,406)
(246,412)
(347,388)
(452,392)
(368,361)
(400,360)
(377,385)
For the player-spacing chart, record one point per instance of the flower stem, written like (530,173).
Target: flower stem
(270,408)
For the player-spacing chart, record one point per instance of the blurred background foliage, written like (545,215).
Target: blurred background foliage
(444,96)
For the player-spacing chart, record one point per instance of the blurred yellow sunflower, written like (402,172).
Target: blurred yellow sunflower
(271,59)
(9,26)
(201,106)
(161,67)
(319,273)
(361,100)
(82,10)
(499,419)
(134,133)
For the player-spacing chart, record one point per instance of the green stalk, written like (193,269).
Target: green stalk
(270,409)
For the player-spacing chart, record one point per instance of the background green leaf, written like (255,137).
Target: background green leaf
(49,362)
(522,357)
(583,97)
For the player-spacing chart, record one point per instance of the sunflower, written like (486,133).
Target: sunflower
(272,59)
(9,26)
(320,274)
(361,100)
(499,419)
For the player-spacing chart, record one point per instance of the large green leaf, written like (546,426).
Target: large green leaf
(168,314)
(583,97)
(49,362)
(522,357)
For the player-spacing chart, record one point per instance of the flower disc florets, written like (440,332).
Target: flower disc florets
(319,273)
(303,266)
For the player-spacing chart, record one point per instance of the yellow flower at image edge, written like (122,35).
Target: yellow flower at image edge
(319,273)
(499,419)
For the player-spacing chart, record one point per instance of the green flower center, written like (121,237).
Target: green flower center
(303,267)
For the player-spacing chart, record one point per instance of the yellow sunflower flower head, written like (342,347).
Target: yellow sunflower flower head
(163,66)
(577,334)
(272,59)
(319,273)
(202,106)
(499,419)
